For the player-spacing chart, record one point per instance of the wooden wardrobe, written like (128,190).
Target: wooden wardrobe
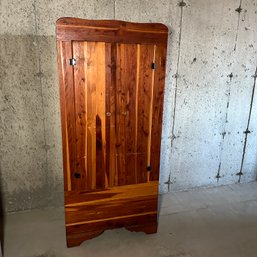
(111,76)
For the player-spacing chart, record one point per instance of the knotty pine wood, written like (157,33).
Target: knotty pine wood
(111,110)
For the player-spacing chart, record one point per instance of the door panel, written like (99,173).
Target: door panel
(114,87)
(134,100)
(90,106)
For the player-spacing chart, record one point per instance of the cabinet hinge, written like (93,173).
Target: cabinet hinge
(154,66)
(72,61)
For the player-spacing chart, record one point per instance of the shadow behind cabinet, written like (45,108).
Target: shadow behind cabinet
(111,76)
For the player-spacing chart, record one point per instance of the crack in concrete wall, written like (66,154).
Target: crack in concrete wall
(239,10)
(181,4)
(247,131)
(219,175)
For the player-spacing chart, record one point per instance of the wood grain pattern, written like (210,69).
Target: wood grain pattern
(110,59)
(67,114)
(126,73)
(80,81)
(89,82)
(135,206)
(110,31)
(158,98)
(111,108)
(144,223)
(144,106)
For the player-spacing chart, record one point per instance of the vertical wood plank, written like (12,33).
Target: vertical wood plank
(158,98)
(129,76)
(101,115)
(96,114)
(65,151)
(80,81)
(110,64)
(126,115)
(136,108)
(120,121)
(150,120)
(144,105)
(67,114)
(108,81)
(113,110)
(91,114)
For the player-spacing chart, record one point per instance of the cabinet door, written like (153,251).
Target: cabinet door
(91,84)
(140,73)
(114,108)
(135,83)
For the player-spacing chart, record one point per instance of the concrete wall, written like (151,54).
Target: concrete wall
(209,99)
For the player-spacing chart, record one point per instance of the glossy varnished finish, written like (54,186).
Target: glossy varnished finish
(68,29)
(94,211)
(111,108)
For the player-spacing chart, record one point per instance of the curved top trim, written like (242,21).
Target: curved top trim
(153,27)
(68,28)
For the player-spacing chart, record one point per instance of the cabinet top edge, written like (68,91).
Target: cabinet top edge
(115,24)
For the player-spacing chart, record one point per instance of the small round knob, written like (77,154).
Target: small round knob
(108,114)
(124,113)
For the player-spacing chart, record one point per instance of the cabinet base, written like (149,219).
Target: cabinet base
(88,214)
(75,239)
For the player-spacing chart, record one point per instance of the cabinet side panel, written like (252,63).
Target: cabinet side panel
(67,113)
(66,171)
(158,95)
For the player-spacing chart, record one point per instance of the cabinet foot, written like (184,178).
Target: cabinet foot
(148,228)
(78,238)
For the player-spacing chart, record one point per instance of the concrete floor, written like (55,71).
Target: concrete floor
(214,222)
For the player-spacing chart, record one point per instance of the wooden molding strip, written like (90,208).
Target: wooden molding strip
(68,29)
(113,218)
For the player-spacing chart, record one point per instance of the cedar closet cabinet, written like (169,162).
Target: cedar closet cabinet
(111,76)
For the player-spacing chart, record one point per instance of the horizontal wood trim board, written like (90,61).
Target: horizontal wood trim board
(76,198)
(111,223)
(110,219)
(70,29)
(124,201)
(69,21)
